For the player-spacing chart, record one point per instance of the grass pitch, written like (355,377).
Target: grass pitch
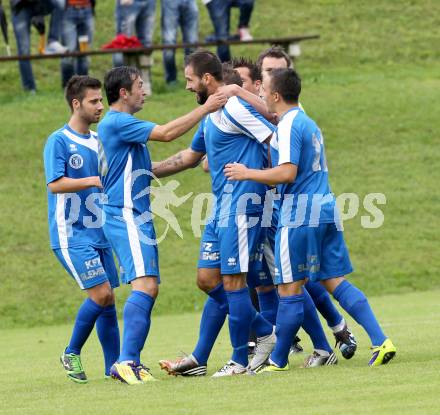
(33,382)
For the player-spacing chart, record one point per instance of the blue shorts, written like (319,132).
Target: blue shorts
(89,266)
(318,253)
(261,262)
(229,247)
(135,244)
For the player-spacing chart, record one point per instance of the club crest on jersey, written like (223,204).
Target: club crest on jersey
(76,161)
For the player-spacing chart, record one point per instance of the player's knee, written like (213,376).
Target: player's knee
(153,291)
(208,278)
(331,283)
(234,282)
(204,283)
(265,288)
(103,297)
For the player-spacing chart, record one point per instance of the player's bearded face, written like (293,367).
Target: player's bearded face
(196,85)
(202,93)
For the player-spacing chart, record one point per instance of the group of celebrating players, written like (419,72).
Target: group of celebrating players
(274,228)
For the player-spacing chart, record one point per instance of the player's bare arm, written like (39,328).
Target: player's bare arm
(176,128)
(178,162)
(254,100)
(68,185)
(285,173)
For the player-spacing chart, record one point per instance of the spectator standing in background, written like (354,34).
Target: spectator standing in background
(246,7)
(22,13)
(135,17)
(54,35)
(175,13)
(220,14)
(76,35)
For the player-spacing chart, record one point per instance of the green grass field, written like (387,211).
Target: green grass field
(33,381)
(371,82)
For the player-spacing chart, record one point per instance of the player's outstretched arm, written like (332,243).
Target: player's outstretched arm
(180,161)
(68,185)
(178,127)
(254,100)
(285,173)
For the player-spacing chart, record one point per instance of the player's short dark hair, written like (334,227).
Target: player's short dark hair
(242,62)
(230,75)
(77,85)
(203,61)
(117,78)
(275,51)
(287,83)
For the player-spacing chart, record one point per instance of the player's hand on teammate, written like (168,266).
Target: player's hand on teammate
(229,90)
(96,182)
(215,101)
(236,171)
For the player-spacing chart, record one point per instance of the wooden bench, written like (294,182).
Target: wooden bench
(142,57)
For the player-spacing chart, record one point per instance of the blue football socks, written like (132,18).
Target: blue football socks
(85,320)
(268,302)
(137,318)
(241,315)
(108,333)
(354,302)
(312,325)
(260,325)
(213,318)
(289,319)
(324,303)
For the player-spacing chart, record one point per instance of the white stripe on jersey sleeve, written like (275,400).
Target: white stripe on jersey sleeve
(127,214)
(223,123)
(245,121)
(284,137)
(91,143)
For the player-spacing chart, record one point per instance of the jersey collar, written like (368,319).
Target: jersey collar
(296,108)
(83,136)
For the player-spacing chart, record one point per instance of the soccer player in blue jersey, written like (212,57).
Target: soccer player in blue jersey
(258,275)
(76,235)
(125,170)
(235,132)
(276,58)
(309,242)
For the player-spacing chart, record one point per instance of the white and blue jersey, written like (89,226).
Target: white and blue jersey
(125,170)
(307,242)
(124,160)
(308,200)
(234,133)
(75,219)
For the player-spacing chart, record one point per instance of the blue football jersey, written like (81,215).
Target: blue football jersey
(124,161)
(234,133)
(308,200)
(75,219)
